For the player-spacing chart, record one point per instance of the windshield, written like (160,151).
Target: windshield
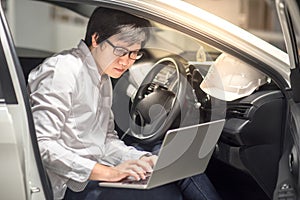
(293,7)
(256,16)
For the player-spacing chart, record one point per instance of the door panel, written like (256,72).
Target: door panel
(11,170)
(288,185)
(22,173)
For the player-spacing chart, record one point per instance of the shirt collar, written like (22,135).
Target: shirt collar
(90,62)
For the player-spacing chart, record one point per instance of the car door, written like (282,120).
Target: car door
(288,184)
(22,174)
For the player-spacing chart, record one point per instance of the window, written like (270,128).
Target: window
(6,87)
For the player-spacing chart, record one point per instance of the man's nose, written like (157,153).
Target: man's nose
(124,60)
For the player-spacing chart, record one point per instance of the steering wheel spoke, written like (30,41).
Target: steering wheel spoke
(156,104)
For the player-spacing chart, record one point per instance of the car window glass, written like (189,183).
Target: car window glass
(65,28)
(296,28)
(256,16)
(44,26)
(187,47)
(6,88)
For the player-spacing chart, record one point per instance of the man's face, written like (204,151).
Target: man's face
(111,64)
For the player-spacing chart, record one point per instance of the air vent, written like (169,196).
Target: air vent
(238,110)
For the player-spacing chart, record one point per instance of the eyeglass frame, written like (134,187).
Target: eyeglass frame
(125,51)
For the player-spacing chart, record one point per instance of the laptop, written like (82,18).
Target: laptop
(184,152)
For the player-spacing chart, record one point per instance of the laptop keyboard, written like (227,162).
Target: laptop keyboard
(137,182)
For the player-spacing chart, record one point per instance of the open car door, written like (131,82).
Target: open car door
(22,173)
(288,184)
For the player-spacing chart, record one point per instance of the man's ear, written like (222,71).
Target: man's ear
(94,39)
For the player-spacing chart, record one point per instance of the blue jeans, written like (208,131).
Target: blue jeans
(196,187)
(94,192)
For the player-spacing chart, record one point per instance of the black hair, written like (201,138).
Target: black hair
(106,22)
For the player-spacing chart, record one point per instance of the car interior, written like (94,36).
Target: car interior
(244,163)
(249,146)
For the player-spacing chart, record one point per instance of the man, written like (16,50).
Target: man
(71,97)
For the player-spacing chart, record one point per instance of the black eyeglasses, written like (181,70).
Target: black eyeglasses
(121,51)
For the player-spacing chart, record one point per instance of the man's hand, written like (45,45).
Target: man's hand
(151,160)
(131,168)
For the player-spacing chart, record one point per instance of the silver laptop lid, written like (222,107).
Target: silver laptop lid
(185,152)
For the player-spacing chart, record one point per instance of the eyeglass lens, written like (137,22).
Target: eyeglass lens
(120,51)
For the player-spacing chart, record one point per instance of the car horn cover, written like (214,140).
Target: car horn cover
(155,108)
(229,78)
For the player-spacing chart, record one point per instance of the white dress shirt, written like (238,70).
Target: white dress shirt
(71,107)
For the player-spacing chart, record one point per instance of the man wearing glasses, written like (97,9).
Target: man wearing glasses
(71,98)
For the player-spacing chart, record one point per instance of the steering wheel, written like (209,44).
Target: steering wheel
(156,106)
